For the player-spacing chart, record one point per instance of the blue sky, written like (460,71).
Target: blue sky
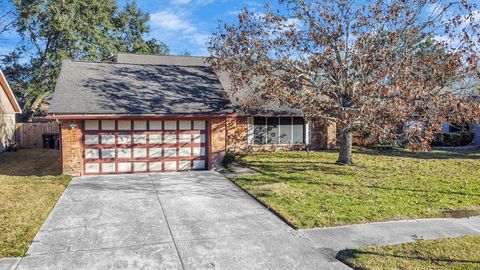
(188,24)
(184,25)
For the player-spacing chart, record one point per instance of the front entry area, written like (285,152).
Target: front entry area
(139,146)
(180,220)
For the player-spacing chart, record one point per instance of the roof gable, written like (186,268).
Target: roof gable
(8,95)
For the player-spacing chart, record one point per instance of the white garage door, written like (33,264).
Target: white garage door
(137,146)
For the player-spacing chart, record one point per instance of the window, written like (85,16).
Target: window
(278,130)
(285,130)
(298,131)
(456,127)
(272,130)
(259,130)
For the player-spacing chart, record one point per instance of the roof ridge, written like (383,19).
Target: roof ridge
(164,55)
(132,64)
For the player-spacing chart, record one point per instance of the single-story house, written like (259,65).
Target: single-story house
(147,113)
(473,127)
(8,108)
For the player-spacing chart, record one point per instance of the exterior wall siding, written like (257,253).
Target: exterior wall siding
(7,129)
(71,147)
(5,105)
(324,135)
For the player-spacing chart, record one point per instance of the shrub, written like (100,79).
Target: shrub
(385,145)
(228,159)
(460,138)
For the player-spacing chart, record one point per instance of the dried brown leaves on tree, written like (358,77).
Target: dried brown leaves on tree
(386,67)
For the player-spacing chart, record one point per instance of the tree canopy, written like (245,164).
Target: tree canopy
(54,30)
(364,65)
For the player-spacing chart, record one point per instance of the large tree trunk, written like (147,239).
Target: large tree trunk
(345,156)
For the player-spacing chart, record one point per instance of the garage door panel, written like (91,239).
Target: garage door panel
(185,138)
(91,153)
(155,152)
(92,139)
(170,125)
(108,153)
(92,167)
(92,125)
(108,139)
(108,167)
(139,125)
(134,146)
(139,139)
(155,138)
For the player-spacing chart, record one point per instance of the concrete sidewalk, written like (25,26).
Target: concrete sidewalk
(332,240)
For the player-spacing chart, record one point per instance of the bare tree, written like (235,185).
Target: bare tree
(365,65)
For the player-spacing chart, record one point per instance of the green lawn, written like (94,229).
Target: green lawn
(310,190)
(30,185)
(449,253)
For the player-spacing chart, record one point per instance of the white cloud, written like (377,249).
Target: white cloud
(181,2)
(171,21)
(254,4)
(453,40)
(176,26)
(197,2)
(234,12)
(205,2)
(201,39)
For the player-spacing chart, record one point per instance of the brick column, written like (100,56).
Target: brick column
(71,147)
(324,135)
(218,140)
(237,134)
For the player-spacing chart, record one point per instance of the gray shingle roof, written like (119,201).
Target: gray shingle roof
(131,88)
(266,109)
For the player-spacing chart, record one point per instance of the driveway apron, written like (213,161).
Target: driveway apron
(186,220)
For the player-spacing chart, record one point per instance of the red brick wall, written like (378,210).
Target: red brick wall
(71,147)
(218,140)
(237,134)
(227,134)
(323,136)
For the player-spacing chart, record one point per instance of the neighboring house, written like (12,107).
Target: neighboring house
(472,127)
(149,113)
(8,108)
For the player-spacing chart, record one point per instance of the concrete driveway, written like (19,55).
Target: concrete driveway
(190,220)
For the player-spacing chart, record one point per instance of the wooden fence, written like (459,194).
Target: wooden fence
(29,135)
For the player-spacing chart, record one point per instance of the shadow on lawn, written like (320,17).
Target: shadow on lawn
(344,255)
(277,179)
(30,162)
(436,154)
(449,192)
(279,167)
